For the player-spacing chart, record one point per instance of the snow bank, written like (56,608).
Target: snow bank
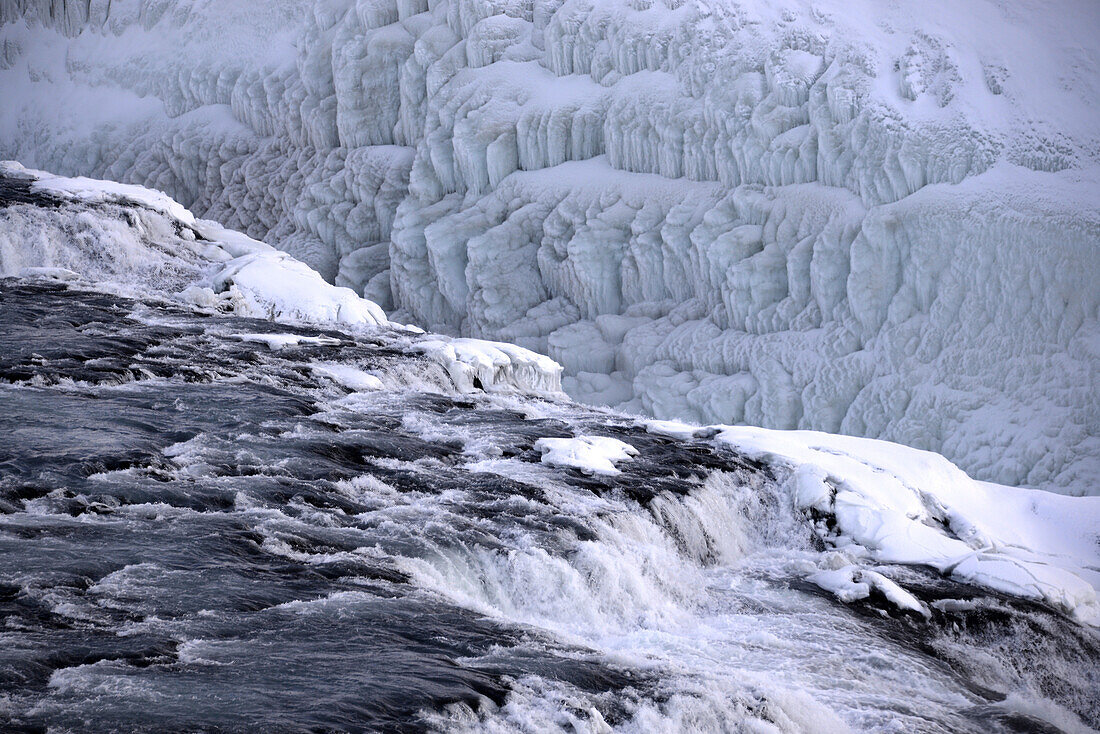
(590,454)
(847,216)
(893,504)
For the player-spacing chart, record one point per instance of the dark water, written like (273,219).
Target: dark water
(199,533)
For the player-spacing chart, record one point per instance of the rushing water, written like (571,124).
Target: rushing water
(202,533)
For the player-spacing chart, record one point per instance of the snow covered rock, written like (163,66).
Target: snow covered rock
(839,216)
(589,454)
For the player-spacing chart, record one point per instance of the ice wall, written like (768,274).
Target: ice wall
(838,216)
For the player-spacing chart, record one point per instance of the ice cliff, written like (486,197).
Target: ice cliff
(840,216)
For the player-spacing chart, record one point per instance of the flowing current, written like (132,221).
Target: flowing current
(203,530)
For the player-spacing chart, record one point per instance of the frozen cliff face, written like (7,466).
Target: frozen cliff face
(835,216)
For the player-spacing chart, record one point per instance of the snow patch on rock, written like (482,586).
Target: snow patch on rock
(589,454)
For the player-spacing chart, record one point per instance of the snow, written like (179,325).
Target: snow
(275,342)
(91,190)
(846,216)
(475,364)
(673,429)
(225,267)
(892,504)
(905,506)
(61,274)
(276,286)
(851,583)
(589,454)
(348,376)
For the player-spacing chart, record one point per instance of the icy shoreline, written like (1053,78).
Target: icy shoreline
(229,271)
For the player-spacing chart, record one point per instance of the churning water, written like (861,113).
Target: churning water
(198,532)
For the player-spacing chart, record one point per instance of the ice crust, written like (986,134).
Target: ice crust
(845,216)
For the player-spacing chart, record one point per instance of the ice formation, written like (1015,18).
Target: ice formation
(841,216)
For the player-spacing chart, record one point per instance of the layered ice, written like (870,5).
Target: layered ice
(840,216)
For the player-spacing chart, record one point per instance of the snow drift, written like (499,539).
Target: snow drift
(837,216)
